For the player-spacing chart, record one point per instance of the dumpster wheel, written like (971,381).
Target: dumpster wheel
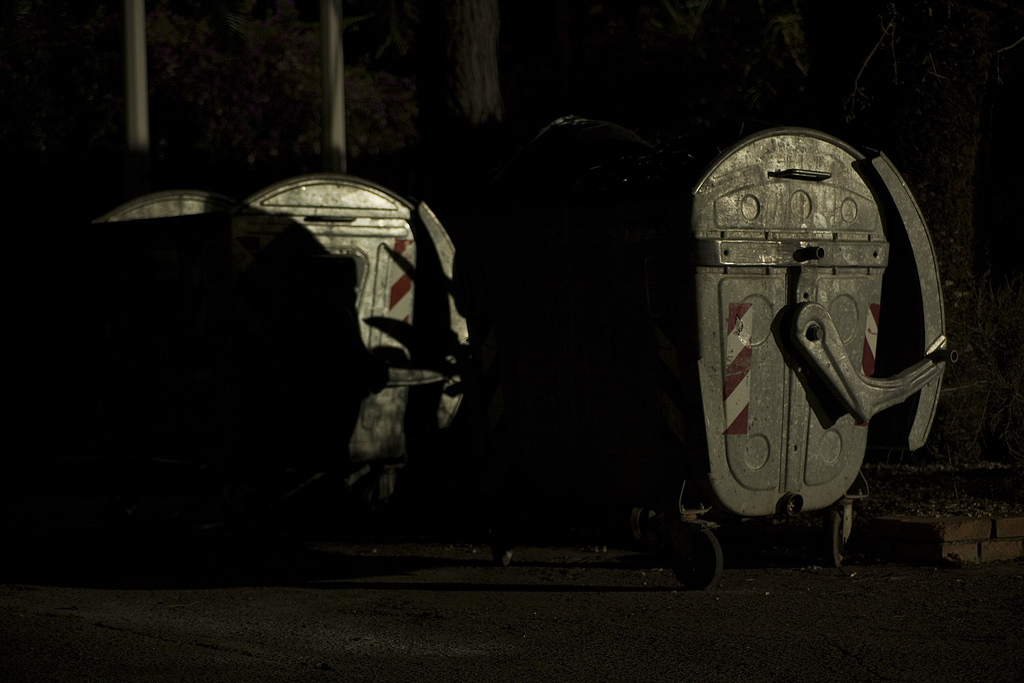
(645,527)
(696,554)
(838,526)
(501,547)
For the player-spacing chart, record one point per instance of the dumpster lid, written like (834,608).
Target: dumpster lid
(167,204)
(326,197)
(728,156)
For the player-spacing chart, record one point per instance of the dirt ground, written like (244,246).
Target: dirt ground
(980,490)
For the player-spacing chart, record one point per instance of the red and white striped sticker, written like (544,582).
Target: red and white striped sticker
(870,340)
(400,298)
(737,369)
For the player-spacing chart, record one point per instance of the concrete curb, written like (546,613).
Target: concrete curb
(947,540)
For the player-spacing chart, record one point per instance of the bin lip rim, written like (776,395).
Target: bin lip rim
(252,201)
(770,133)
(220,203)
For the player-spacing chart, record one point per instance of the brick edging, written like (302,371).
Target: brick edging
(948,540)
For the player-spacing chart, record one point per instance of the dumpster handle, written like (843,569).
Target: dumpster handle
(413,377)
(815,336)
(801,174)
(809,253)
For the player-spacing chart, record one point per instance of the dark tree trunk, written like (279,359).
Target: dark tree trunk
(474,95)
(457,54)
(460,103)
(913,79)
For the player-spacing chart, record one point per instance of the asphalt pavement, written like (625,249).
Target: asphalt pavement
(161,595)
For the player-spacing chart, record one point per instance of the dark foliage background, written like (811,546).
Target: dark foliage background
(235,105)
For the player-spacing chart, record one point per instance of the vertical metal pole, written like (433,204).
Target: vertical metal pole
(335,153)
(136,99)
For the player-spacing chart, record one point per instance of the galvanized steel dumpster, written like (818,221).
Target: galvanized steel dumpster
(169,204)
(163,261)
(793,231)
(392,261)
(749,384)
(309,329)
(557,284)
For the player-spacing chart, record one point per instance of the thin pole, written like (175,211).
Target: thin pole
(334,150)
(136,99)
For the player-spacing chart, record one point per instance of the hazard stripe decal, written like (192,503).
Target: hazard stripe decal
(736,391)
(400,299)
(399,290)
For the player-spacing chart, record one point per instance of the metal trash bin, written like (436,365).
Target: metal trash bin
(794,233)
(169,204)
(561,334)
(764,340)
(162,259)
(394,259)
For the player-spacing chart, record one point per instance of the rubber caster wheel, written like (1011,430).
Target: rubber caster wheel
(502,557)
(697,561)
(501,548)
(645,527)
(838,526)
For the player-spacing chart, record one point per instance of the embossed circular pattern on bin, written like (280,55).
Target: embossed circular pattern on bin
(758,451)
(830,446)
(800,205)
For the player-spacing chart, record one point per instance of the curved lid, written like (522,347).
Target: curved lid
(328,195)
(167,204)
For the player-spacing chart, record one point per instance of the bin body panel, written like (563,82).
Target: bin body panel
(781,220)
(164,263)
(741,402)
(351,219)
(562,290)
